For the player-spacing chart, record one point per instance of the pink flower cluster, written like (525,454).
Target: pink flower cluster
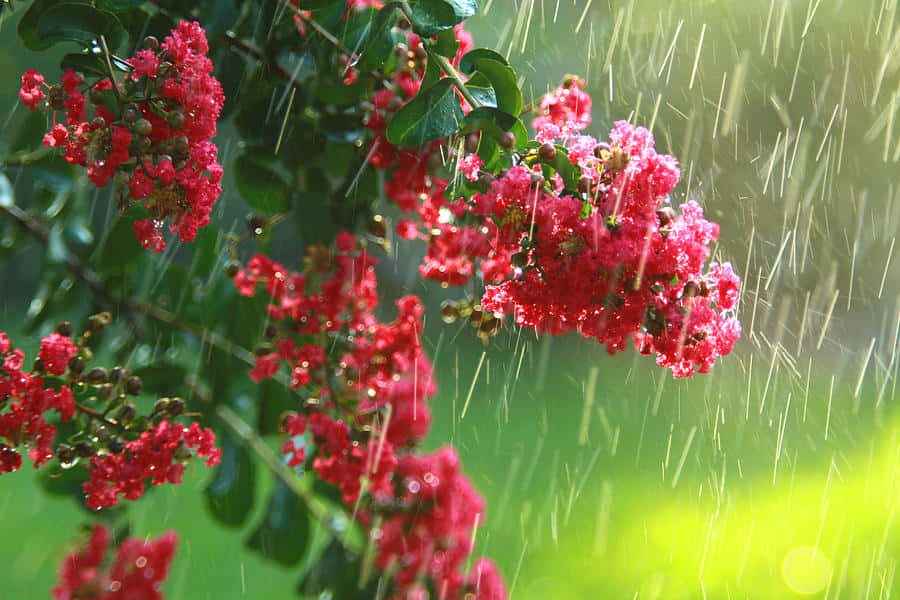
(366,384)
(24,402)
(137,571)
(156,144)
(159,454)
(564,111)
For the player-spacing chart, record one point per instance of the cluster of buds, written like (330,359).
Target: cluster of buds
(487,324)
(150,135)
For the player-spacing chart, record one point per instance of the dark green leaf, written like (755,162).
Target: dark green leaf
(432,74)
(430,17)
(284,532)
(53,22)
(503,80)
(431,115)
(88,64)
(467,63)
(446,44)
(336,571)
(230,493)
(480,87)
(263,189)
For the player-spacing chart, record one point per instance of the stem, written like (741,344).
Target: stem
(99,416)
(95,284)
(451,72)
(109,69)
(316,507)
(20,160)
(445,65)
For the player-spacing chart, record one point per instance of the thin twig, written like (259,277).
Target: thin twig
(99,416)
(112,76)
(19,160)
(315,506)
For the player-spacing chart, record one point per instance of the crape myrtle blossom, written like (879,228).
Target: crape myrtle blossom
(366,384)
(136,572)
(156,145)
(26,399)
(611,259)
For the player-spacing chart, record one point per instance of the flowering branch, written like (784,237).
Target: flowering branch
(287,476)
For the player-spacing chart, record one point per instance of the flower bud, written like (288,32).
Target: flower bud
(176,119)
(38,366)
(126,412)
(449,311)
(84,449)
(547,152)
(150,43)
(142,127)
(476,315)
(161,406)
(131,115)
(106,391)
(116,446)
(256,224)
(117,375)
(133,385)
(176,407)
(666,215)
(232,268)
(64,328)
(76,365)
(601,150)
(65,453)
(471,144)
(507,139)
(182,144)
(377,227)
(97,376)
(285,418)
(519,259)
(97,323)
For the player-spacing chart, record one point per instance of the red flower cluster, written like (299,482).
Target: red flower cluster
(366,384)
(428,531)
(24,401)
(630,267)
(159,454)
(155,146)
(136,573)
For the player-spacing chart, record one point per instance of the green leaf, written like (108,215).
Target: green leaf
(446,43)
(431,115)
(284,532)
(503,80)
(380,43)
(467,63)
(336,571)
(430,17)
(230,494)
(47,23)
(432,75)
(263,189)
(480,87)
(87,64)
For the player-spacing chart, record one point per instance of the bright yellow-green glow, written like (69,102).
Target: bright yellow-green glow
(806,570)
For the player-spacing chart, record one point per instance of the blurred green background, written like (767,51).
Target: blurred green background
(772,477)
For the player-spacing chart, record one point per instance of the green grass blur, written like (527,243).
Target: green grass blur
(775,476)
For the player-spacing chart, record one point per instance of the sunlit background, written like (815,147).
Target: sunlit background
(775,476)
